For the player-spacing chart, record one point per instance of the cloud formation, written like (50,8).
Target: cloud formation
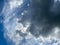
(46,16)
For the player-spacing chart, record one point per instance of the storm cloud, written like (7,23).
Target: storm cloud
(45,17)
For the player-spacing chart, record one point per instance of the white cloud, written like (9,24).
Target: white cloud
(15,3)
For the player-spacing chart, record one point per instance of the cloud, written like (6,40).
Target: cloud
(14,31)
(42,23)
(46,16)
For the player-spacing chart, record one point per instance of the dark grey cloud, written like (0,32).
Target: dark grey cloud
(46,16)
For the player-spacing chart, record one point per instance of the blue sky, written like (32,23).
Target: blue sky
(2,39)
